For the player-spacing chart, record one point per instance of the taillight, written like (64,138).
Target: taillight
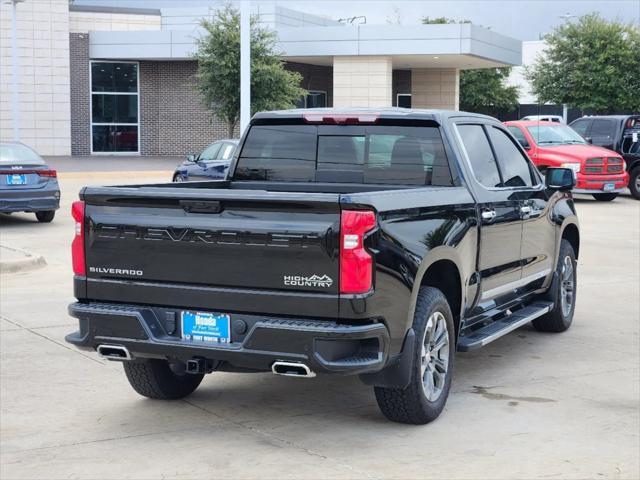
(356,264)
(47,173)
(77,246)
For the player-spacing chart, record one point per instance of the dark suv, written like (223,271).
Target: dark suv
(619,133)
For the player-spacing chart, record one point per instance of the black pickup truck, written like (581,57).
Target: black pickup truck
(370,243)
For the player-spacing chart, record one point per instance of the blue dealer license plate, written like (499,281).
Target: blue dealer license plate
(206,327)
(16,179)
(608,187)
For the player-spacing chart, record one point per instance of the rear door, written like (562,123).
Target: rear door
(537,248)
(501,225)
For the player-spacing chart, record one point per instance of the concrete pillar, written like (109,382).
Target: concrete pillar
(435,88)
(362,81)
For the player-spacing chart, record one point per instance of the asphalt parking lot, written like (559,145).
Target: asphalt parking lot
(529,405)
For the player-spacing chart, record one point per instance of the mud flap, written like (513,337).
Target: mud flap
(397,374)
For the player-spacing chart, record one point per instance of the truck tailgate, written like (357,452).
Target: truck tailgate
(227,244)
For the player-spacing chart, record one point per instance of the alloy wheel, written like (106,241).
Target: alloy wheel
(435,356)
(567,286)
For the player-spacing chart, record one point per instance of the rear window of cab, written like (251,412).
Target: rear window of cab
(403,155)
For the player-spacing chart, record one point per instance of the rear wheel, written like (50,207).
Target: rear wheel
(154,378)
(605,197)
(46,216)
(559,319)
(634,182)
(424,399)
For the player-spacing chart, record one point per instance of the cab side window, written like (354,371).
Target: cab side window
(226,151)
(581,126)
(514,166)
(603,130)
(480,155)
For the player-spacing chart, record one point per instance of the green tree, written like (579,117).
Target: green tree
(218,55)
(482,90)
(590,64)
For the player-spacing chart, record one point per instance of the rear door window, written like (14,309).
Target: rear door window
(483,163)
(371,155)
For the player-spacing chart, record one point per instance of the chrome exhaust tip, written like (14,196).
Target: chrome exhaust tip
(114,352)
(292,369)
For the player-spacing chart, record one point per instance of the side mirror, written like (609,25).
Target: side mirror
(589,139)
(562,179)
(524,144)
(191,157)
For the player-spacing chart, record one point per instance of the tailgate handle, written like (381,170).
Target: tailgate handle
(195,206)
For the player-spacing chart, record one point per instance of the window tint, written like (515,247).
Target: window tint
(603,129)
(516,132)
(376,154)
(279,153)
(513,164)
(480,155)
(581,126)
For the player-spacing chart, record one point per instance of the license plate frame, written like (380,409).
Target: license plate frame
(16,179)
(205,327)
(608,187)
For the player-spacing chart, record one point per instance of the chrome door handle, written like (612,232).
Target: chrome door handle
(488,215)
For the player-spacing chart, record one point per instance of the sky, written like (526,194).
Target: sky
(521,19)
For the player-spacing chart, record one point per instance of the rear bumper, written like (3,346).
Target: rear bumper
(26,200)
(256,341)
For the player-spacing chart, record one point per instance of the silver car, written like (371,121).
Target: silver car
(27,184)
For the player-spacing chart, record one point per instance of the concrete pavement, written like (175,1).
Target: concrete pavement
(529,405)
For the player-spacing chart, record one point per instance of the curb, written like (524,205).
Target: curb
(26,261)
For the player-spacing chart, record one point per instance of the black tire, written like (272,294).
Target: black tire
(605,197)
(559,319)
(634,182)
(46,216)
(177,178)
(411,404)
(154,379)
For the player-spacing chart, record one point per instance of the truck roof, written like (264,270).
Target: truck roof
(386,112)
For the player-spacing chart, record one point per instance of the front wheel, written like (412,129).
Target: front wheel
(46,216)
(425,396)
(605,197)
(634,182)
(154,378)
(559,319)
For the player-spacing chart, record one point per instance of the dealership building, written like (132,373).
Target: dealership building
(103,80)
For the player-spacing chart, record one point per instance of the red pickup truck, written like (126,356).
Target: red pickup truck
(599,172)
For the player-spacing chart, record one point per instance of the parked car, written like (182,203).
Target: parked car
(27,184)
(344,243)
(543,118)
(620,133)
(599,172)
(212,163)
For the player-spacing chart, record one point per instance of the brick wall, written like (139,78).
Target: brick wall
(79,86)
(314,77)
(185,125)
